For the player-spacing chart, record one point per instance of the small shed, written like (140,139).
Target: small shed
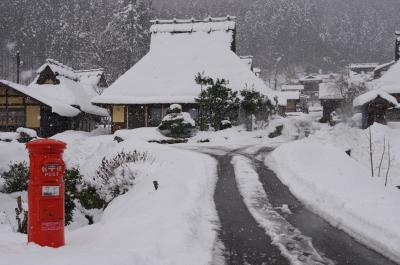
(288,101)
(311,86)
(373,106)
(331,99)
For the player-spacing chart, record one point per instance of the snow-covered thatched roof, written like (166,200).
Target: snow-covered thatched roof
(372,95)
(178,52)
(75,89)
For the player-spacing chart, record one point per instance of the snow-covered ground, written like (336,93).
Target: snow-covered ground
(177,224)
(287,238)
(340,188)
(174,225)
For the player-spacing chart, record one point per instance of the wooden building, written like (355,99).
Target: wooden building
(374,106)
(57,100)
(331,100)
(179,50)
(288,102)
(311,87)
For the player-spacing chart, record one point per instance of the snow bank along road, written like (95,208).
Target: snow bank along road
(263,223)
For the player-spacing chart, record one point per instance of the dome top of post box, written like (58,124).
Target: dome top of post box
(46,145)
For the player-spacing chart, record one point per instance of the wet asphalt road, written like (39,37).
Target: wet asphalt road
(245,242)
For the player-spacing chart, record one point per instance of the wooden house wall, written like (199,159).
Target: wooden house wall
(291,105)
(17,110)
(137,116)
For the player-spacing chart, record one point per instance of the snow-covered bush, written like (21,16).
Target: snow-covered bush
(26,135)
(256,107)
(277,132)
(217,103)
(22,135)
(79,192)
(115,177)
(177,124)
(16,177)
(225,124)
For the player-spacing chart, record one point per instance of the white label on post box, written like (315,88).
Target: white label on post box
(50,191)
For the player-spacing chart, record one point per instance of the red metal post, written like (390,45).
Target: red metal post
(46,193)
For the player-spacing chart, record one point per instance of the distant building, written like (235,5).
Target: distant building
(288,101)
(331,99)
(57,100)
(179,50)
(311,87)
(363,68)
(374,106)
(288,88)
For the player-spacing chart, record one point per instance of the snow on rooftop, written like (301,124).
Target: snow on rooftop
(371,95)
(71,96)
(390,81)
(311,78)
(41,94)
(284,96)
(363,65)
(192,25)
(292,87)
(383,66)
(329,91)
(167,73)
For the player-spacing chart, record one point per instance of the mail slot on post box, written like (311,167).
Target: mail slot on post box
(46,193)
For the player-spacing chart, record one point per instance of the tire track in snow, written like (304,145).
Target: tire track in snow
(245,242)
(291,242)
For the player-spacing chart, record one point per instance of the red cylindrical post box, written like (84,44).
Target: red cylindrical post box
(46,193)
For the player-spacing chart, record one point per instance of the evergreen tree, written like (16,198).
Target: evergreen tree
(217,103)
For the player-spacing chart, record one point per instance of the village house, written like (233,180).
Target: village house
(179,50)
(374,106)
(311,88)
(331,99)
(58,99)
(288,102)
(381,103)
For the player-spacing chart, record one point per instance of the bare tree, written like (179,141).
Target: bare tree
(371,151)
(383,154)
(389,163)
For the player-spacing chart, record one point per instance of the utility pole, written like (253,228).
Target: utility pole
(18,65)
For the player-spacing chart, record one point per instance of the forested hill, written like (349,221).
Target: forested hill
(312,34)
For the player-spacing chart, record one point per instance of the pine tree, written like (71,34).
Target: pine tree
(217,103)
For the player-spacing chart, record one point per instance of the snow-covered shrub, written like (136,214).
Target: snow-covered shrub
(22,135)
(277,132)
(256,107)
(177,124)
(77,191)
(225,124)
(26,135)
(16,177)
(114,177)
(217,103)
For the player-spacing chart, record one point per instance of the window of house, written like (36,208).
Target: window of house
(15,117)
